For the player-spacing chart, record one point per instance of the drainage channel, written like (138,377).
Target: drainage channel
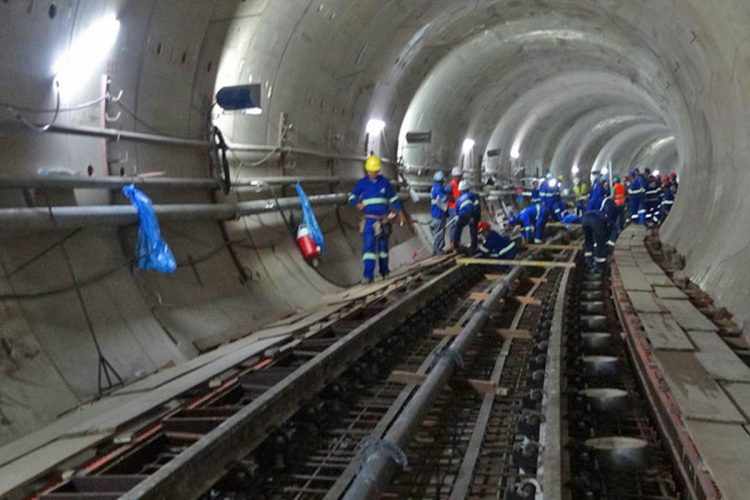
(616,451)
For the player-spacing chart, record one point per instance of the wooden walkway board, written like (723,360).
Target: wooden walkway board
(669,292)
(644,302)
(725,449)
(522,263)
(634,280)
(740,394)
(724,366)
(699,396)
(664,333)
(687,316)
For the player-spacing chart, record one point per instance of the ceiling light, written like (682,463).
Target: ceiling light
(575,169)
(87,51)
(656,173)
(467,146)
(375,127)
(604,171)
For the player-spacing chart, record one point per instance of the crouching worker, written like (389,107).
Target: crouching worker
(375,197)
(493,245)
(468,212)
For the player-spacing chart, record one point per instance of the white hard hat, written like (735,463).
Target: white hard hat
(439,176)
(456,172)
(464,186)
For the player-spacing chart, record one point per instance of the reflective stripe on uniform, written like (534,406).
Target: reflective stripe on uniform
(352,197)
(611,243)
(467,202)
(383,255)
(375,201)
(637,191)
(642,211)
(588,254)
(368,256)
(394,199)
(507,249)
(600,260)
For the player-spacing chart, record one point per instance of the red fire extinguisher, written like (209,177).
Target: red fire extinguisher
(310,250)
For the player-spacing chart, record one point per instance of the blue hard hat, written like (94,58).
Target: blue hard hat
(439,176)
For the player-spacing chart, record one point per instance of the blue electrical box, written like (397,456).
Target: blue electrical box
(239,97)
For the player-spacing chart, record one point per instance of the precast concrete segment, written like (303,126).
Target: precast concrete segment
(627,143)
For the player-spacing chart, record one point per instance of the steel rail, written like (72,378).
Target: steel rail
(378,467)
(197,468)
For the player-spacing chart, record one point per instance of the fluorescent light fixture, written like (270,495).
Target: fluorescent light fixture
(375,127)
(87,51)
(515,152)
(467,146)
(575,170)
(656,173)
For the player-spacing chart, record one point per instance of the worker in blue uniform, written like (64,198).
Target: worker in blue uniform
(597,227)
(636,190)
(468,212)
(533,193)
(439,202)
(652,198)
(493,245)
(527,220)
(667,199)
(375,196)
(599,191)
(549,192)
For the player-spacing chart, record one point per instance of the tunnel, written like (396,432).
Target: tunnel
(500,88)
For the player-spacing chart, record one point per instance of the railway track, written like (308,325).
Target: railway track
(460,382)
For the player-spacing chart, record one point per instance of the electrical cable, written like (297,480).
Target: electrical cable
(40,127)
(77,107)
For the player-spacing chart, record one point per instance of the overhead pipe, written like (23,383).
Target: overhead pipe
(127,135)
(51,218)
(165,183)
(379,465)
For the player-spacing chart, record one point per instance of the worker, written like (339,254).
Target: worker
(597,225)
(618,196)
(549,192)
(439,201)
(493,245)
(456,176)
(468,212)
(581,193)
(599,191)
(527,220)
(533,193)
(651,198)
(667,200)
(375,196)
(635,197)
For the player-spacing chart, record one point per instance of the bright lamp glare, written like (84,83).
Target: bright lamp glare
(575,169)
(467,146)
(656,173)
(375,127)
(553,182)
(87,51)
(605,171)
(253,111)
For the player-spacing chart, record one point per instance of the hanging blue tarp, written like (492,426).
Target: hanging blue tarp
(152,252)
(308,216)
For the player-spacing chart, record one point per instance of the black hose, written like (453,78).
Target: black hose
(219,147)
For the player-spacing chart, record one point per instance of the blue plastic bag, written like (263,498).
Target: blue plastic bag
(308,216)
(152,251)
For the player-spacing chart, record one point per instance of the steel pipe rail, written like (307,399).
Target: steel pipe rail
(50,218)
(378,467)
(127,135)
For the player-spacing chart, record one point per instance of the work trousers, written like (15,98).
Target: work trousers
(437,226)
(461,222)
(596,232)
(375,247)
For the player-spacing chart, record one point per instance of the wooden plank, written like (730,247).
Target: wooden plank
(528,301)
(697,393)
(451,331)
(634,280)
(509,333)
(483,386)
(687,316)
(521,263)
(725,449)
(644,302)
(532,246)
(724,366)
(664,333)
(669,292)
(493,277)
(740,394)
(479,296)
(406,378)
(538,281)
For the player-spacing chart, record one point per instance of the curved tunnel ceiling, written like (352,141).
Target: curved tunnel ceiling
(570,82)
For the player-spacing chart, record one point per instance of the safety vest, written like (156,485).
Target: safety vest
(619,194)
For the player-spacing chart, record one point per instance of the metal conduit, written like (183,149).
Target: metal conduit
(163,183)
(379,466)
(50,218)
(127,135)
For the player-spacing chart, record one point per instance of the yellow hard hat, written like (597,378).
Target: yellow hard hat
(373,164)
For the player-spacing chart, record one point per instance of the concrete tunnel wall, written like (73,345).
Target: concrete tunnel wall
(566,80)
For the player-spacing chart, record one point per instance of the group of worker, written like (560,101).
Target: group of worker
(456,207)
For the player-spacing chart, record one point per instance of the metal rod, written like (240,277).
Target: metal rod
(50,218)
(379,466)
(103,182)
(127,135)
